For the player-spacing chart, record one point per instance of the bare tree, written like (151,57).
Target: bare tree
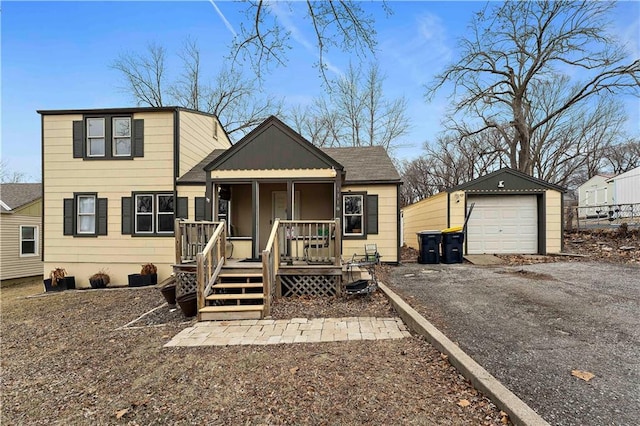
(623,157)
(355,112)
(265,39)
(236,100)
(10,176)
(514,49)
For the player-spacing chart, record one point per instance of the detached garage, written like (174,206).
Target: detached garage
(513,213)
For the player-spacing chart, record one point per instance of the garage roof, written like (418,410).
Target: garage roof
(506,180)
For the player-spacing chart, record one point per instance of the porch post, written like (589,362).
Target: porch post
(255,209)
(290,197)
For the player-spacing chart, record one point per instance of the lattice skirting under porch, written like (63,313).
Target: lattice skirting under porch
(186,283)
(309,285)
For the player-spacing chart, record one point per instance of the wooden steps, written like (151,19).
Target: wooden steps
(237,294)
(219,313)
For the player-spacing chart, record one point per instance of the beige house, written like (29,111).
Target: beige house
(109,179)
(512,213)
(21,230)
(115,180)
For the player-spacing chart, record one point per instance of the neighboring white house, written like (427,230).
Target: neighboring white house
(594,195)
(626,193)
(626,187)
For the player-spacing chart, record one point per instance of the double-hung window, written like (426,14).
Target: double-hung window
(95,137)
(86,214)
(121,136)
(353,211)
(154,213)
(28,240)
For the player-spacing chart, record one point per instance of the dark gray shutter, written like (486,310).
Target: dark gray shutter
(183,208)
(78,139)
(69,213)
(201,207)
(102,216)
(138,138)
(126,216)
(372,214)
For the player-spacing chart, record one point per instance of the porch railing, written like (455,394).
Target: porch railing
(191,238)
(270,266)
(312,241)
(209,263)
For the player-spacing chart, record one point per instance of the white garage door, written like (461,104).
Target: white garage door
(503,224)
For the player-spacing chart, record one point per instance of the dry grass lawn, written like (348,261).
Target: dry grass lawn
(67,360)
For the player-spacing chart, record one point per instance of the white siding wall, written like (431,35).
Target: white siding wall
(627,187)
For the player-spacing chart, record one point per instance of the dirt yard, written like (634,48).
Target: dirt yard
(68,359)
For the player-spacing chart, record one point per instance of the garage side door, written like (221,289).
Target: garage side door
(503,224)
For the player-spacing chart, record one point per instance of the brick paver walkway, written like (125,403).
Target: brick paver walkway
(296,330)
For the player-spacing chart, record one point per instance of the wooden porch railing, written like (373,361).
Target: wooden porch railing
(209,263)
(191,238)
(313,241)
(270,266)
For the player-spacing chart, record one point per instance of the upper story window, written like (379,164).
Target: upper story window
(95,137)
(122,136)
(108,137)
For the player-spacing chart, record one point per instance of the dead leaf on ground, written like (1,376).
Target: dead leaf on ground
(584,375)
(294,370)
(464,403)
(121,413)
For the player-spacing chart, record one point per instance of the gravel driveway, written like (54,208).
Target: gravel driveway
(530,326)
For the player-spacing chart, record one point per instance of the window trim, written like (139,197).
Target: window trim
(89,138)
(76,213)
(363,234)
(35,241)
(154,214)
(114,138)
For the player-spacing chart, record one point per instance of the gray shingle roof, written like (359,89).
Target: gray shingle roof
(362,164)
(16,195)
(197,173)
(365,164)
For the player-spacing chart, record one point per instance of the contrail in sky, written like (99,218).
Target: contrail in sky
(226,23)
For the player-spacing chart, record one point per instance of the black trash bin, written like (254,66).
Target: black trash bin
(429,246)
(452,247)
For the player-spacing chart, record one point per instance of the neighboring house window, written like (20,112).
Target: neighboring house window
(86,211)
(353,208)
(359,215)
(108,137)
(85,215)
(153,213)
(28,240)
(95,137)
(122,136)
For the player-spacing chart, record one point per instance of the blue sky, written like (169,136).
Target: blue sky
(57,55)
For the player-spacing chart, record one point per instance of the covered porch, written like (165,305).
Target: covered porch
(299,258)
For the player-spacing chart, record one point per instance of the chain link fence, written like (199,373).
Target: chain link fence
(602,216)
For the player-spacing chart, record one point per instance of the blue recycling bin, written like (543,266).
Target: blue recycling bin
(429,246)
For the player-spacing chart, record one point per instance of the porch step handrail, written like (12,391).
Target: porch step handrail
(209,263)
(270,265)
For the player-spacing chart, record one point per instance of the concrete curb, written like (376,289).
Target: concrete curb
(519,412)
